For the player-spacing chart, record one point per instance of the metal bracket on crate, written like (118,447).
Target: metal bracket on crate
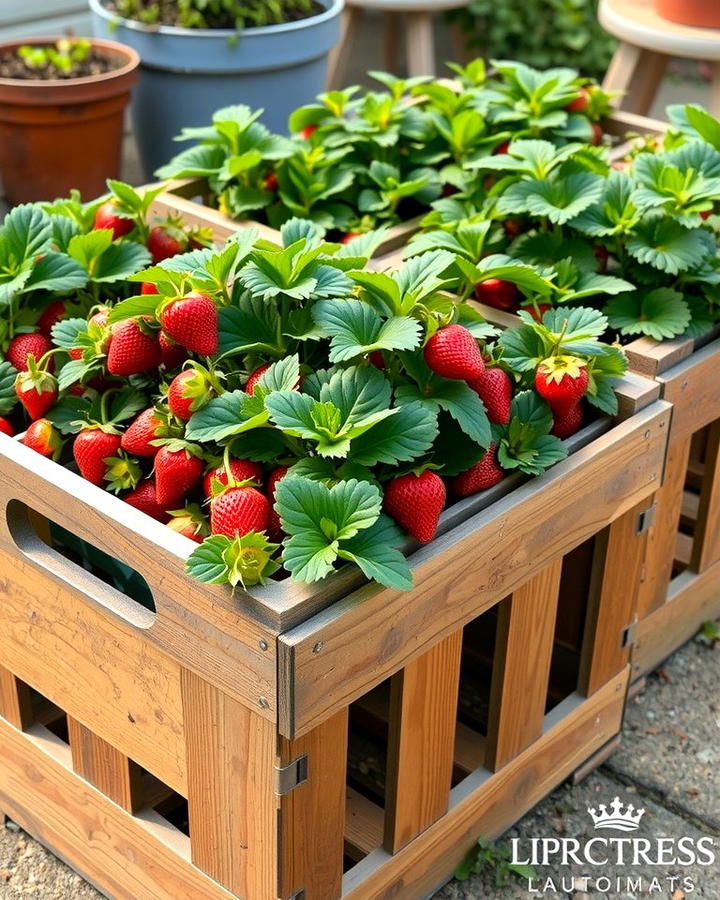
(628,636)
(298,895)
(645,519)
(290,776)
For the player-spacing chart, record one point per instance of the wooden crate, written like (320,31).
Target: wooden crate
(218,746)
(680,586)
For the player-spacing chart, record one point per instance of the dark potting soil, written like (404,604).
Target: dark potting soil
(12,66)
(165,12)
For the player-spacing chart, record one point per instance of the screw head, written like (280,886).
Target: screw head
(263,644)
(318,647)
(263,703)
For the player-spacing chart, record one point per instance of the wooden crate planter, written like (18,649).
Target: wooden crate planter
(681,574)
(217,746)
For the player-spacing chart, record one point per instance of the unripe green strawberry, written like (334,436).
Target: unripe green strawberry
(452,352)
(188,392)
(240,470)
(91,449)
(42,437)
(144,498)
(415,503)
(483,475)
(494,388)
(24,345)
(131,350)
(177,471)
(238,511)
(141,432)
(193,322)
(567,423)
(562,382)
(190,522)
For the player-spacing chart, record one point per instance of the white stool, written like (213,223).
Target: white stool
(418,16)
(647,42)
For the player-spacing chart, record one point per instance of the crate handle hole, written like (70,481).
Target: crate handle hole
(110,582)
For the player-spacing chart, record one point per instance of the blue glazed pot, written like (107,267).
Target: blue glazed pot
(186,74)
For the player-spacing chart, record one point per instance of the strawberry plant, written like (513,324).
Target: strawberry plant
(320,413)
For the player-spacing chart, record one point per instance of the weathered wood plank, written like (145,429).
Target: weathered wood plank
(312,815)
(521,668)
(421,738)
(231,760)
(364,822)
(15,704)
(706,548)
(105,767)
(694,390)
(374,632)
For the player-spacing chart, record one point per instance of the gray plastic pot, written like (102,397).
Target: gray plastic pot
(186,74)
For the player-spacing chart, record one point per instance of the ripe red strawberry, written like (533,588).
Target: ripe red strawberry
(706,213)
(513,228)
(270,183)
(601,255)
(91,448)
(237,511)
(581,102)
(567,423)
(172,355)
(494,388)
(53,314)
(36,390)
(131,350)
(141,431)
(193,322)
(106,217)
(23,345)
(538,310)
(307,132)
(6,427)
(188,392)
(42,437)
(502,148)
(240,469)
(350,236)
(415,503)
(453,353)
(148,287)
(255,376)
(100,318)
(498,293)
(275,531)
(597,134)
(561,381)
(165,241)
(177,471)
(448,190)
(144,498)
(377,359)
(483,475)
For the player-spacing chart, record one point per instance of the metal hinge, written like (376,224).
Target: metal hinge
(298,895)
(290,776)
(628,636)
(645,519)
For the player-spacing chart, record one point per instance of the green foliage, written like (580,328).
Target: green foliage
(540,32)
(214,13)
(61,60)
(487,855)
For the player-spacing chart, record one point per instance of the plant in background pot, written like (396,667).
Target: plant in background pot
(61,115)
(198,55)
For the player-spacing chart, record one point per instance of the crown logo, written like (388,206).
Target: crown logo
(619,817)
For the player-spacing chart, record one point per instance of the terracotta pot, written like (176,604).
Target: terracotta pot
(57,135)
(705,13)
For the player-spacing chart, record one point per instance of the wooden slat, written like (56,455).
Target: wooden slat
(651,358)
(706,549)
(15,704)
(488,804)
(521,667)
(692,600)
(364,822)
(683,549)
(105,767)
(423,710)
(231,757)
(312,815)
(126,856)
(660,547)
(612,601)
(694,390)
(374,632)
(689,510)
(94,666)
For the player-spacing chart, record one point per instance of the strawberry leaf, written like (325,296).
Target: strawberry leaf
(67,414)
(660,313)
(559,200)
(55,272)
(401,438)
(526,443)
(8,398)
(251,325)
(224,416)
(65,333)
(356,329)
(666,245)
(374,552)
(133,307)
(456,398)
(125,403)
(453,450)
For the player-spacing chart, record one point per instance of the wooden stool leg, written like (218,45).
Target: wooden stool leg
(392,41)
(715,90)
(337,63)
(420,44)
(638,74)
